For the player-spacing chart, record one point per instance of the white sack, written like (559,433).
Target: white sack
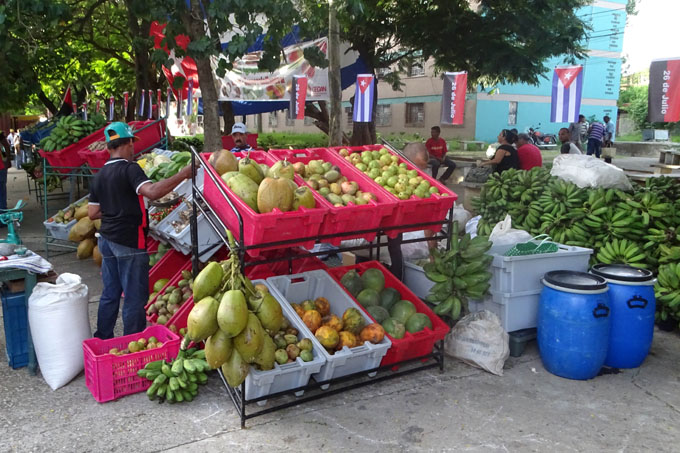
(59,322)
(479,340)
(588,171)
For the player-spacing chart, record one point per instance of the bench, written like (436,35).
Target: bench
(669,157)
(465,143)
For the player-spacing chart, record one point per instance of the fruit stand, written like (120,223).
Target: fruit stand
(349,367)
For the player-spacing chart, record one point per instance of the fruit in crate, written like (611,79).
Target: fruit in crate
(155,257)
(394,328)
(327,336)
(168,302)
(282,169)
(385,169)
(331,184)
(352,282)
(244,188)
(402,311)
(417,322)
(223,161)
(373,333)
(251,169)
(141,344)
(353,321)
(70,129)
(378,313)
(275,193)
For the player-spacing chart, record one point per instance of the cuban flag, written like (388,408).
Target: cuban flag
(567,87)
(363,99)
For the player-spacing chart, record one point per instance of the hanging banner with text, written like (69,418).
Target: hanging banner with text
(453,98)
(664,91)
(298,95)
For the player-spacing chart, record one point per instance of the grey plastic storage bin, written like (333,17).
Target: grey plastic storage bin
(515,310)
(514,274)
(288,376)
(207,236)
(59,230)
(416,281)
(313,284)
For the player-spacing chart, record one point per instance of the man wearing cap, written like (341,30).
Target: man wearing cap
(117,198)
(240,135)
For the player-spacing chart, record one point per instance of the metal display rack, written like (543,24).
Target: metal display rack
(313,390)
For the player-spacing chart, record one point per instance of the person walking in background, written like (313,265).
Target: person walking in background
(575,131)
(436,148)
(567,146)
(529,155)
(5,163)
(596,133)
(609,132)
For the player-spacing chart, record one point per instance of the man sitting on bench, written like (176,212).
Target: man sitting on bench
(436,147)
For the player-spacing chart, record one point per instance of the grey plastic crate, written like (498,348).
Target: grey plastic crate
(207,236)
(416,281)
(288,376)
(515,310)
(313,284)
(59,230)
(515,274)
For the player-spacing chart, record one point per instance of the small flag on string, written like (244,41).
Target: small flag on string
(68,100)
(363,99)
(298,96)
(97,106)
(75,108)
(111,105)
(453,98)
(167,102)
(190,97)
(125,103)
(567,86)
(150,115)
(141,104)
(664,91)
(85,111)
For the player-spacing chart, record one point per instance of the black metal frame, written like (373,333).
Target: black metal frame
(313,390)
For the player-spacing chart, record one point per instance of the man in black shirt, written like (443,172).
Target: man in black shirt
(117,198)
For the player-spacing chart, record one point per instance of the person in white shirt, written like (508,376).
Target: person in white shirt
(610,132)
(567,146)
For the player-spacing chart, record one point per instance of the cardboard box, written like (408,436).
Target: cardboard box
(348,258)
(17,286)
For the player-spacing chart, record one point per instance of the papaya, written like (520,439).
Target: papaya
(332,321)
(417,322)
(249,342)
(251,169)
(218,349)
(275,193)
(246,189)
(208,281)
(96,256)
(373,278)
(402,310)
(346,339)
(235,369)
(266,358)
(373,333)
(352,282)
(368,297)
(394,328)
(223,161)
(327,336)
(85,249)
(353,321)
(232,314)
(322,306)
(202,320)
(312,320)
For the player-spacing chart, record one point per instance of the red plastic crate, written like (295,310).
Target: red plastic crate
(264,271)
(150,133)
(167,266)
(108,377)
(176,277)
(413,344)
(413,210)
(347,218)
(261,228)
(94,159)
(151,245)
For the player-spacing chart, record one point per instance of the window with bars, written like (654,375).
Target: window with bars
(383,115)
(415,114)
(417,68)
(273,119)
(512,113)
(348,114)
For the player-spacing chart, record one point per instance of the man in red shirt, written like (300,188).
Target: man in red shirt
(529,154)
(436,147)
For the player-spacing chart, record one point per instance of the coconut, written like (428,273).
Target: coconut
(223,161)
(218,349)
(202,320)
(270,313)
(232,315)
(245,188)
(85,249)
(235,369)
(249,342)
(303,197)
(266,358)
(275,193)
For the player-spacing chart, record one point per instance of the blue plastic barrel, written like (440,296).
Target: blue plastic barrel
(573,324)
(632,304)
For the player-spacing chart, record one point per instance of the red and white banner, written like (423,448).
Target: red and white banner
(453,98)
(664,91)
(125,103)
(75,108)
(298,96)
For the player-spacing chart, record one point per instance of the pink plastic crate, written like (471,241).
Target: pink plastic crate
(262,228)
(176,277)
(167,266)
(108,377)
(413,344)
(413,210)
(151,245)
(347,218)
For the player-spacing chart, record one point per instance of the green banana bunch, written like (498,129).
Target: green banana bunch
(459,273)
(667,292)
(623,251)
(178,380)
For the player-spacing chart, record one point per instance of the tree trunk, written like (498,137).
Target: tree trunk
(211,120)
(46,102)
(335,90)
(227,116)
(142,62)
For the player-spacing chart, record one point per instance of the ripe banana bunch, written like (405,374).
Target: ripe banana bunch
(176,381)
(623,251)
(69,130)
(667,291)
(459,274)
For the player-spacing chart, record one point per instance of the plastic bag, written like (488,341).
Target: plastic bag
(587,171)
(504,234)
(415,251)
(59,321)
(471,225)
(461,214)
(479,340)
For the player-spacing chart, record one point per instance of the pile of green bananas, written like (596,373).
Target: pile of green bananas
(178,380)
(540,203)
(458,274)
(667,292)
(69,130)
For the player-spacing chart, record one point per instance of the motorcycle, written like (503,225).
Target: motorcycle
(540,139)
